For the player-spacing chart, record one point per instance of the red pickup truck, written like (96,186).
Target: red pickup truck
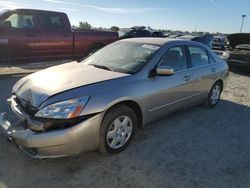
(37,35)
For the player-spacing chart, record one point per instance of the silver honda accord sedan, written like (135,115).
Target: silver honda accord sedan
(99,103)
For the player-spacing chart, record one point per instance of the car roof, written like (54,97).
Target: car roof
(189,37)
(35,10)
(157,41)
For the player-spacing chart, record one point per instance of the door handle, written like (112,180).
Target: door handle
(213,70)
(186,78)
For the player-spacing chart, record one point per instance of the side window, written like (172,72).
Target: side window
(175,58)
(52,21)
(199,56)
(21,21)
(144,33)
(211,59)
(133,34)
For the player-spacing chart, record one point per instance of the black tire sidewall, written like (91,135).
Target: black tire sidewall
(209,101)
(110,116)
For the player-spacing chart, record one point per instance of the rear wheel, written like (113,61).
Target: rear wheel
(214,95)
(117,129)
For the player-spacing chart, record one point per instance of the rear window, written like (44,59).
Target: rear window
(52,21)
(199,56)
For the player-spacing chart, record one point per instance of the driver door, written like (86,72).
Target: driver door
(169,93)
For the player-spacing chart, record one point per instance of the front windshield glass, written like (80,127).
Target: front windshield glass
(125,57)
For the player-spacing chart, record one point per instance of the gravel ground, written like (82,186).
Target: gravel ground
(196,147)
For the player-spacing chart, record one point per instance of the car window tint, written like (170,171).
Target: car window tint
(174,58)
(133,34)
(51,21)
(144,33)
(211,59)
(199,56)
(140,33)
(21,21)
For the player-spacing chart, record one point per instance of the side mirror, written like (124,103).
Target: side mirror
(5,24)
(164,71)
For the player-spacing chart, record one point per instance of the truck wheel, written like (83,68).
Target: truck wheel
(117,129)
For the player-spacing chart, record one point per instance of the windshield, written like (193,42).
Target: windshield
(125,57)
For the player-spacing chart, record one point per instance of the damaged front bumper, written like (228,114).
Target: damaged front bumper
(83,136)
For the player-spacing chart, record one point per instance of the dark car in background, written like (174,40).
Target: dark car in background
(204,39)
(157,34)
(219,43)
(173,35)
(134,32)
(238,53)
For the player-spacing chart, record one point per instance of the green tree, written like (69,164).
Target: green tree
(84,25)
(114,28)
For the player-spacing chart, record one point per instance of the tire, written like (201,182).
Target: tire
(118,125)
(214,95)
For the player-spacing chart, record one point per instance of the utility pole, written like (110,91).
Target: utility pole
(242,23)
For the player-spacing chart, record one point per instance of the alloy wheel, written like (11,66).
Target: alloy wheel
(119,132)
(215,95)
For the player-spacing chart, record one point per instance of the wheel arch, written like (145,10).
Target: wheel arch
(221,82)
(134,106)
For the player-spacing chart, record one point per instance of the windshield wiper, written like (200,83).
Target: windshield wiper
(101,67)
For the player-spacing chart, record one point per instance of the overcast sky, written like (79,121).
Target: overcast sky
(202,15)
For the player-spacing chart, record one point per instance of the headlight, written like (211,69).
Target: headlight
(225,55)
(64,110)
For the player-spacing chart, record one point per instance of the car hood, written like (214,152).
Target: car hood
(238,39)
(37,87)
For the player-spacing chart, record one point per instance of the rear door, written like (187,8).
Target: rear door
(56,37)
(203,69)
(23,35)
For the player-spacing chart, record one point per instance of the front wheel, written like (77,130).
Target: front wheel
(117,129)
(214,95)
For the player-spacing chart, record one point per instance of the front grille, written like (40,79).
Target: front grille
(26,107)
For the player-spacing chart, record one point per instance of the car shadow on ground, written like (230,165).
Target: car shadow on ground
(195,147)
(242,72)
